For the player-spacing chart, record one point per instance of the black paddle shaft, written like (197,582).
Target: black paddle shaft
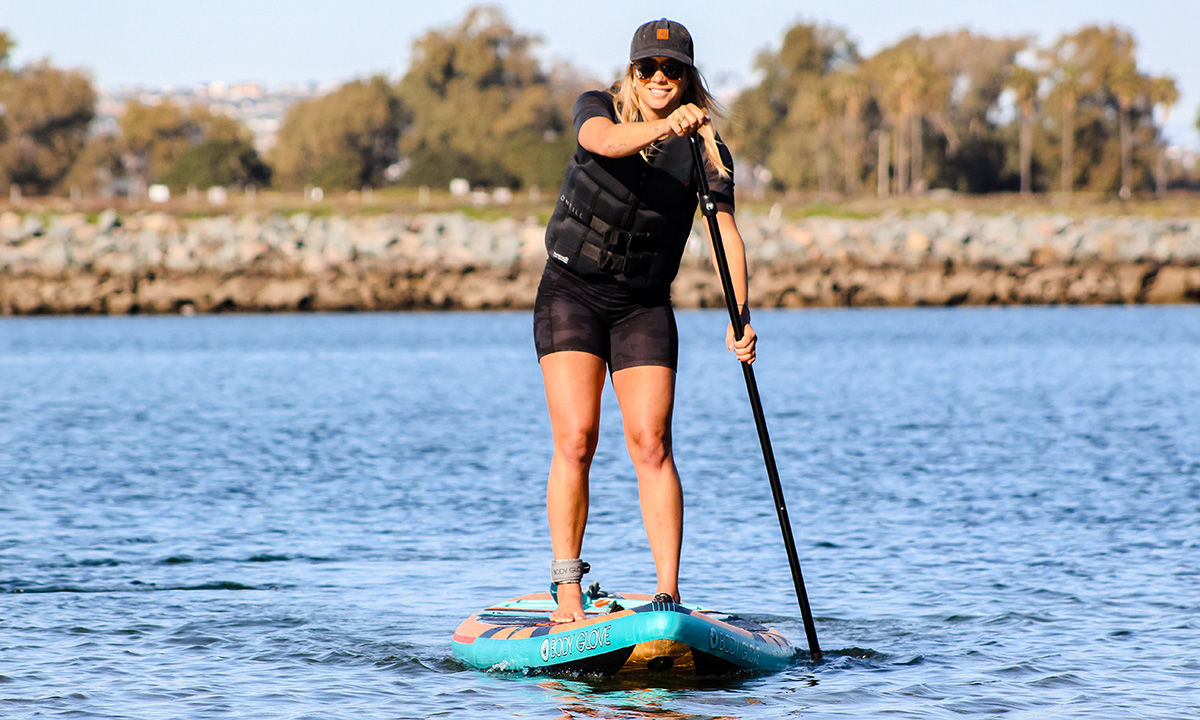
(709,209)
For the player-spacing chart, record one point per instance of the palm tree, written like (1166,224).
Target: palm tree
(908,86)
(1068,86)
(825,109)
(932,90)
(883,171)
(1024,83)
(1163,93)
(1127,85)
(850,91)
(880,74)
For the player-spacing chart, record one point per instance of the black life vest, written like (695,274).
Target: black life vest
(625,217)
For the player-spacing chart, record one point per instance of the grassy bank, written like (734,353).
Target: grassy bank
(539,204)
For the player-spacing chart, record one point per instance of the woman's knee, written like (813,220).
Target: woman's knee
(648,447)
(576,446)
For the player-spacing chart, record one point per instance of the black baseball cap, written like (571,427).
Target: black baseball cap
(662,38)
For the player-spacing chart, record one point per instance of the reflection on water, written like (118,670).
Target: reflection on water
(620,699)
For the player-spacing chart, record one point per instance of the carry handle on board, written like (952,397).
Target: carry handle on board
(709,209)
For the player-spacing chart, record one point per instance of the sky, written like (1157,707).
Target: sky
(286,42)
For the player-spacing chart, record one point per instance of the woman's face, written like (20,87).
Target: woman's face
(658,93)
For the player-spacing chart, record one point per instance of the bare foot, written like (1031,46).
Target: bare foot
(570,604)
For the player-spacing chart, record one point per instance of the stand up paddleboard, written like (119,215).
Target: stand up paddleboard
(621,633)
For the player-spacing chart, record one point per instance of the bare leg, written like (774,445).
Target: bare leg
(574,383)
(647,394)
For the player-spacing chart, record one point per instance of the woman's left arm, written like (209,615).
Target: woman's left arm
(735,256)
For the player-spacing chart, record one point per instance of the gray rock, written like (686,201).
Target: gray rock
(108,220)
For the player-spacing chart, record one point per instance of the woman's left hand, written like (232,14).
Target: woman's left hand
(744,348)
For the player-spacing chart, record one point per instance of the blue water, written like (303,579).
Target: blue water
(998,514)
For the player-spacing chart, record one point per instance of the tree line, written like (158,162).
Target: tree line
(930,112)
(46,147)
(961,111)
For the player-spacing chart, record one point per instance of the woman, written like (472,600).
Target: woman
(615,243)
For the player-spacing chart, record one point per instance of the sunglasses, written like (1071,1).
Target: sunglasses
(671,69)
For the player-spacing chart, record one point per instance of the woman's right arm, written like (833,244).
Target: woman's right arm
(602,136)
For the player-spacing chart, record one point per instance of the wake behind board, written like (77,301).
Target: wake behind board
(621,633)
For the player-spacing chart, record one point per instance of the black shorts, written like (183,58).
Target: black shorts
(600,317)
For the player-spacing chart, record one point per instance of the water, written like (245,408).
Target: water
(998,512)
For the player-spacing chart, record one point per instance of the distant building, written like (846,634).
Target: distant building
(259,108)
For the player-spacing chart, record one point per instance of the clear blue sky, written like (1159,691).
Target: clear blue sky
(164,42)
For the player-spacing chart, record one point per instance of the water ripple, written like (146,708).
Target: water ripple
(286,517)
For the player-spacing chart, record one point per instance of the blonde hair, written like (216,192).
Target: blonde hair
(629,109)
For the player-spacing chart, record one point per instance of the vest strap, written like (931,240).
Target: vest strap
(618,251)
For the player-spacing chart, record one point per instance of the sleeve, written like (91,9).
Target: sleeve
(593,103)
(722,188)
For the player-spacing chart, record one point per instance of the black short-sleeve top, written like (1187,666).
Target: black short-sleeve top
(597,103)
(649,197)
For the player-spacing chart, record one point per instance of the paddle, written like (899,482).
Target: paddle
(709,209)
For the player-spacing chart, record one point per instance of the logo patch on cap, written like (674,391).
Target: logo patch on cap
(663,34)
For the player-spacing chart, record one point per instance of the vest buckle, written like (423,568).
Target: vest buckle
(616,250)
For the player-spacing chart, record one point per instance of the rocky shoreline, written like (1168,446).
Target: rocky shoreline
(159,263)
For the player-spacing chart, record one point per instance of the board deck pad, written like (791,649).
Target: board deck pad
(620,633)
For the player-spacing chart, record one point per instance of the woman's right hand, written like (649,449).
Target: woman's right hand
(687,119)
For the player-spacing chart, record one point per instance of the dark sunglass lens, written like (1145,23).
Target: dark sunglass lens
(645,69)
(673,70)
